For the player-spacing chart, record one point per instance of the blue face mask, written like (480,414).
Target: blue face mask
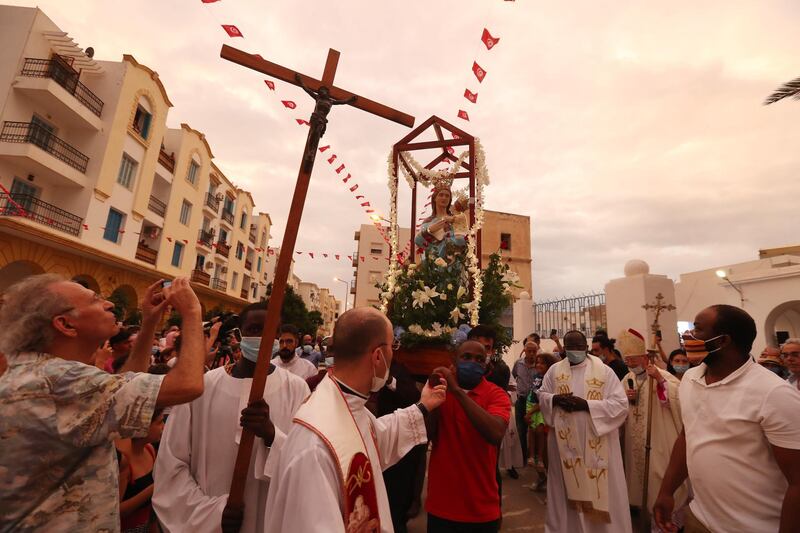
(469,374)
(154,350)
(250,347)
(329,361)
(680,369)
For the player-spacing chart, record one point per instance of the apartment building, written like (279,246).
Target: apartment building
(99,189)
(507,233)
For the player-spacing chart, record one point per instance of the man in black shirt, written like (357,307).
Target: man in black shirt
(603,347)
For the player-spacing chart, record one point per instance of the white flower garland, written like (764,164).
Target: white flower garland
(426,177)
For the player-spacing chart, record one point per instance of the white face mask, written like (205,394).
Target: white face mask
(576,356)
(378,383)
(638,370)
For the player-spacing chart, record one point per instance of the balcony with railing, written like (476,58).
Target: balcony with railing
(227,216)
(253,233)
(167,160)
(219,284)
(61,72)
(37,135)
(157,206)
(243,294)
(205,238)
(146,254)
(248,265)
(223,249)
(201,277)
(212,202)
(32,208)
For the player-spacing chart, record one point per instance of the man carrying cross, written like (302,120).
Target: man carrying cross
(336,449)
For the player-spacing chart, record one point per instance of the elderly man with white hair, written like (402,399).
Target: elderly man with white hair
(524,373)
(790,353)
(60,415)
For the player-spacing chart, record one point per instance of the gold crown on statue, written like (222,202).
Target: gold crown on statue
(442,182)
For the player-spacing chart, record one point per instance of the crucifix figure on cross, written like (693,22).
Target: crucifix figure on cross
(326,95)
(655,327)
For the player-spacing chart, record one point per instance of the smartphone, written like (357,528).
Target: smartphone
(435,379)
(165,284)
(553,332)
(237,334)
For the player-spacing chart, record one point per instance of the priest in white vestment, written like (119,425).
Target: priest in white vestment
(583,401)
(329,473)
(287,357)
(666,421)
(195,461)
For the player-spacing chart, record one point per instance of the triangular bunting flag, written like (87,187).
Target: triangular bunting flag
(471,96)
(337,257)
(270,84)
(488,40)
(232,30)
(347,178)
(323,148)
(478,71)
(354,187)
(302,121)
(365,204)
(311,254)
(331,159)
(289,104)
(339,170)
(463,114)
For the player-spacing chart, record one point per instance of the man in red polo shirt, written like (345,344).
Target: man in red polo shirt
(466,434)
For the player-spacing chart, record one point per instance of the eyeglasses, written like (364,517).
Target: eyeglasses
(790,354)
(395,344)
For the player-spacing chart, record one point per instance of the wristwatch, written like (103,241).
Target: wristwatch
(422,408)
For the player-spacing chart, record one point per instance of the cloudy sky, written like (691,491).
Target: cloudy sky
(624,129)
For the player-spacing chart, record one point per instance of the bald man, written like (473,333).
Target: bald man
(336,450)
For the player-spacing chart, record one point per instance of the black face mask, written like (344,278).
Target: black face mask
(286,353)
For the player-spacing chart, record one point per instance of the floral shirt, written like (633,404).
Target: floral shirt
(58,423)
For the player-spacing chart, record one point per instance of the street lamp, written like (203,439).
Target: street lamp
(347,291)
(724,275)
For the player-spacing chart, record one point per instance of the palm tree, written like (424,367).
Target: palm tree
(788,89)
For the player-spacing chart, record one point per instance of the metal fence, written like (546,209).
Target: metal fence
(29,132)
(30,207)
(585,313)
(59,71)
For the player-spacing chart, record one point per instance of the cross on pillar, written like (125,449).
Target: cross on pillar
(325,95)
(658,307)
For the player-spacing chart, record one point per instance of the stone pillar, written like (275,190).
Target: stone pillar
(626,296)
(523,325)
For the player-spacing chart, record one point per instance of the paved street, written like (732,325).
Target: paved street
(523,510)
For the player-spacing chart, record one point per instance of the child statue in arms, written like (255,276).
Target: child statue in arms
(441,234)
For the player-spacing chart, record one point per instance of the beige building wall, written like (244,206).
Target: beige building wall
(82,136)
(309,293)
(372,270)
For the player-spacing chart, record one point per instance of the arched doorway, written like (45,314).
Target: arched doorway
(125,302)
(16,271)
(87,281)
(783,322)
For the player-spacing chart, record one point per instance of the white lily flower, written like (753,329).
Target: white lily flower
(456,315)
(440,262)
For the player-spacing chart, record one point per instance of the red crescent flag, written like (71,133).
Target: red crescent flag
(349,257)
(365,204)
(337,257)
(299,253)
(270,84)
(463,114)
(232,30)
(471,96)
(311,254)
(347,178)
(362,258)
(354,187)
(488,40)
(325,255)
(86,226)
(209,1)
(323,148)
(478,71)
(339,170)
(289,104)
(331,159)
(360,197)
(301,121)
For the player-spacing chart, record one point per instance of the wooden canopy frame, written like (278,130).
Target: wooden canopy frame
(458,138)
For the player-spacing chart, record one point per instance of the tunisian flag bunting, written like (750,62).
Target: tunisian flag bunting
(478,71)
(463,114)
(471,96)
(289,104)
(232,30)
(209,1)
(270,84)
(488,40)
(302,122)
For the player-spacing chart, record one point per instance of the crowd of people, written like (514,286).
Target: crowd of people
(114,428)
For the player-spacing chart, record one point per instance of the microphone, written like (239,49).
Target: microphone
(631,387)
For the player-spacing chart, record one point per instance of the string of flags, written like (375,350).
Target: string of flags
(340,167)
(480,73)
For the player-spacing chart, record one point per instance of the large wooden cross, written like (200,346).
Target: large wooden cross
(326,95)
